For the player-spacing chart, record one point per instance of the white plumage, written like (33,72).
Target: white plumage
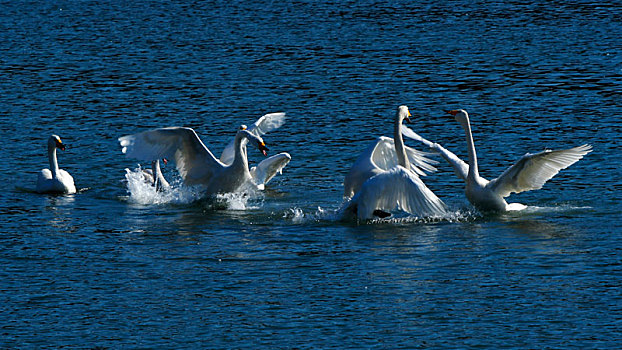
(386,177)
(528,173)
(54,179)
(195,162)
(271,166)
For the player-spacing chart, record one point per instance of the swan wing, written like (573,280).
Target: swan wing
(460,167)
(378,157)
(262,126)
(195,163)
(383,156)
(397,188)
(269,167)
(533,170)
(363,168)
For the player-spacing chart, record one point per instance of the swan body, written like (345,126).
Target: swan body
(269,167)
(195,162)
(530,172)
(54,179)
(386,177)
(381,155)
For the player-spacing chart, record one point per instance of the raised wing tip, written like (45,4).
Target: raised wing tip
(587,148)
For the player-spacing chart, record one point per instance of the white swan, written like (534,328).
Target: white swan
(528,173)
(383,178)
(269,167)
(383,155)
(55,180)
(154,176)
(195,163)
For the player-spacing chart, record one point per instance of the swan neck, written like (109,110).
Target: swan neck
(402,159)
(239,157)
(157,171)
(473,169)
(53,161)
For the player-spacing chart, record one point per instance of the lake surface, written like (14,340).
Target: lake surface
(106,268)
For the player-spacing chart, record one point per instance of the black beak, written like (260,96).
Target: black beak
(263,149)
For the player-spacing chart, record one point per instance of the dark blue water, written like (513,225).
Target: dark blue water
(104,269)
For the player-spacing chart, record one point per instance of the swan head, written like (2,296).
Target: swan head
(257,140)
(55,142)
(460,115)
(403,113)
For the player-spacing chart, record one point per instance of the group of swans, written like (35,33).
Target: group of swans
(197,165)
(385,177)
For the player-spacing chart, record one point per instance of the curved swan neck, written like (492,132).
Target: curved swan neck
(53,161)
(402,159)
(473,169)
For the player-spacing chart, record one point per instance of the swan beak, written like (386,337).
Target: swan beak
(407,118)
(263,149)
(60,145)
(452,112)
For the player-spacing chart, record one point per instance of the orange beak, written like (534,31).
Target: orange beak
(452,112)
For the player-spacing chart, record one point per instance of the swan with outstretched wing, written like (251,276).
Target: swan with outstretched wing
(271,166)
(386,176)
(530,172)
(384,154)
(195,162)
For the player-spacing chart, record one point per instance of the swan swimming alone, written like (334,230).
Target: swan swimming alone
(528,173)
(269,167)
(54,179)
(195,162)
(386,176)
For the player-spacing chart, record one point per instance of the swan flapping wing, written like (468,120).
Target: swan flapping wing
(262,126)
(268,168)
(195,163)
(384,156)
(397,188)
(378,157)
(460,167)
(533,170)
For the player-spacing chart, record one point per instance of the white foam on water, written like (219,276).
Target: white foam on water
(142,192)
(298,216)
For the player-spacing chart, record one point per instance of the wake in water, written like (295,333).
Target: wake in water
(464,214)
(299,216)
(143,192)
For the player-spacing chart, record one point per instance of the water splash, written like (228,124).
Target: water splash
(247,197)
(143,192)
(299,216)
